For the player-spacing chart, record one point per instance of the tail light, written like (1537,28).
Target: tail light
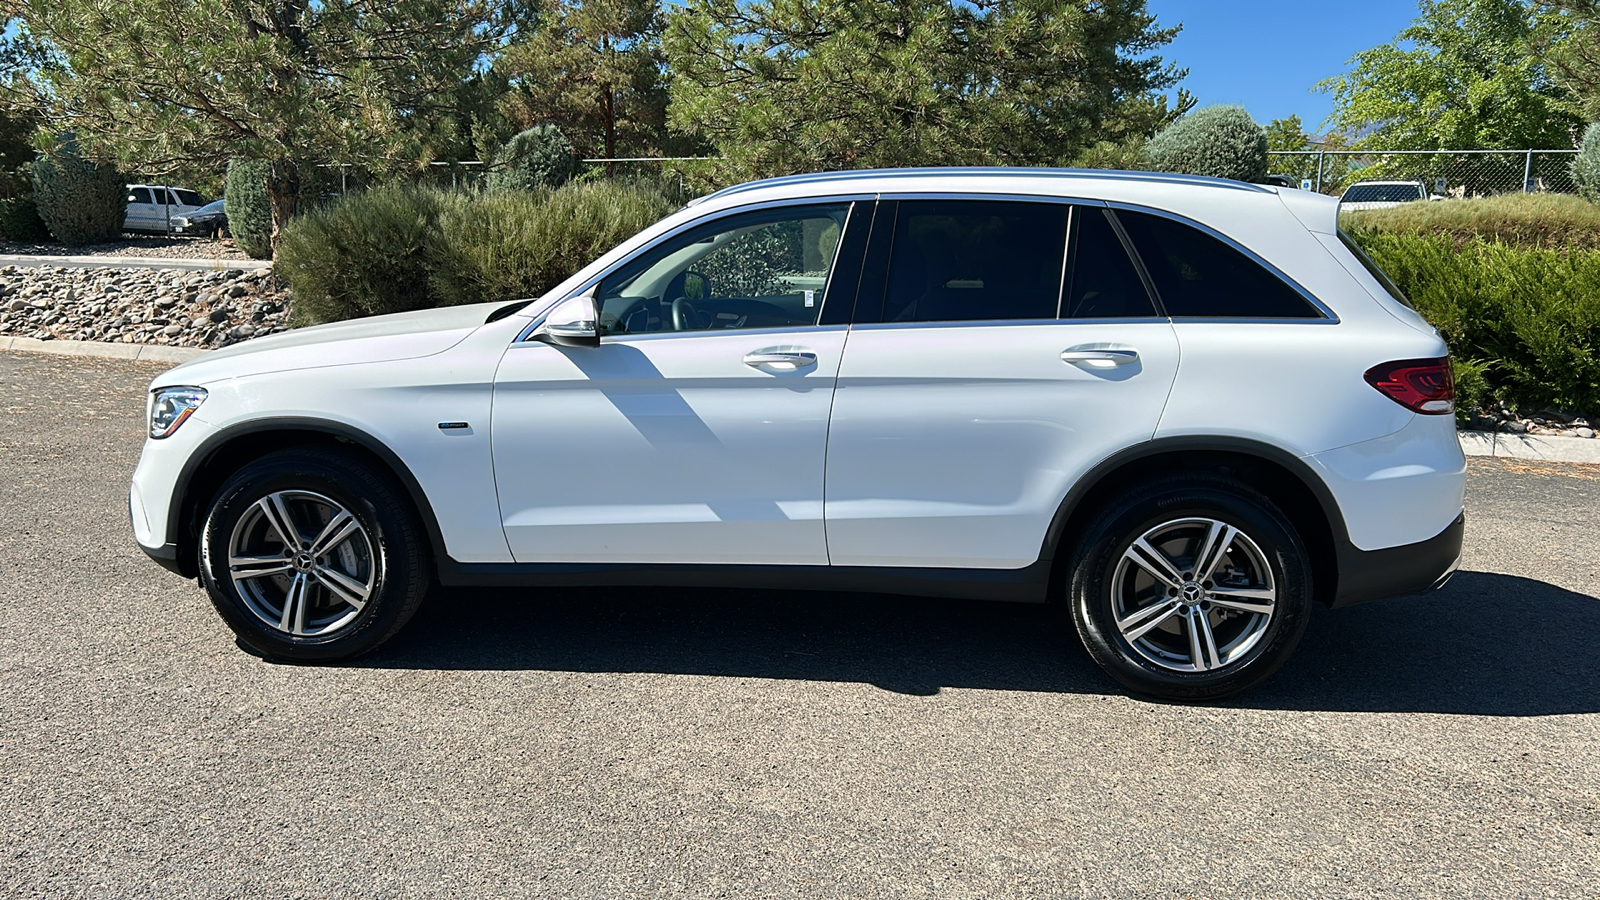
(1426,386)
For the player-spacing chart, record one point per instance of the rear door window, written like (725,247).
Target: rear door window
(976,260)
(1102,282)
(1199,276)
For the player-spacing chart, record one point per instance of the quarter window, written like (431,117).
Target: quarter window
(1199,276)
(975,260)
(768,269)
(139,195)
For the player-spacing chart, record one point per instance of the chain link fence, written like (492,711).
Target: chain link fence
(1446,173)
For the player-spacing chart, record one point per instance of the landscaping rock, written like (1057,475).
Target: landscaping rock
(170,307)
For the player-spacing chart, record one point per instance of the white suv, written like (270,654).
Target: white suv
(1187,408)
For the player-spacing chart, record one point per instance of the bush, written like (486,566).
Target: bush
(1221,141)
(1586,165)
(1523,324)
(80,201)
(540,157)
(399,248)
(19,221)
(508,246)
(1548,221)
(364,255)
(249,206)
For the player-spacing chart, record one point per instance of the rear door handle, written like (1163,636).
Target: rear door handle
(787,360)
(1100,357)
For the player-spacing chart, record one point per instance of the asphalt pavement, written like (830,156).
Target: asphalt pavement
(665,743)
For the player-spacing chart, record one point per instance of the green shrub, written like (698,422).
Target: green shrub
(399,248)
(1586,165)
(1523,324)
(249,206)
(506,246)
(365,254)
(19,221)
(80,201)
(1548,221)
(540,157)
(1220,141)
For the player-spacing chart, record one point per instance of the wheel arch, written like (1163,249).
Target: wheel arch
(228,450)
(1283,477)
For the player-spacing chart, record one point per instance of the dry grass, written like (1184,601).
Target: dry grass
(1544,221)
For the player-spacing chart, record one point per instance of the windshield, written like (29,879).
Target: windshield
(1382,193)
(214,206)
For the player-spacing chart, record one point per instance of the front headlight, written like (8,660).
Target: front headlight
(171,407)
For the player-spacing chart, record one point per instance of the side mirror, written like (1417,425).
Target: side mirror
(574,322)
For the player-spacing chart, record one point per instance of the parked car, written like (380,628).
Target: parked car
(1382,194)
(1281,180)
(152,207)
(1186,408)
(207,221)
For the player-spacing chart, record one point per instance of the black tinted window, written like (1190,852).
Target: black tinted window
(1196,275)
(975,260)
(138,195)
(1102,282)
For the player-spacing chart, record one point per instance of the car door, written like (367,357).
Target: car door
(141,210)
(1001,349)
(696,431)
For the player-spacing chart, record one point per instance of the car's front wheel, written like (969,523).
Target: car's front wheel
(1191,588)
(311,555)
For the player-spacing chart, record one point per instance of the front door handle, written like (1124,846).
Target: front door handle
(1100,357)
(787,360)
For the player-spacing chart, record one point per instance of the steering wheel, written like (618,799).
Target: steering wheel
(684,315)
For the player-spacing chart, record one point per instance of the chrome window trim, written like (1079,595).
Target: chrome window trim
(994,323)
(665,335)
(1329,317)
(709,217)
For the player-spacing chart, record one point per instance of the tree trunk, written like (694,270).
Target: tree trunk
(283,189)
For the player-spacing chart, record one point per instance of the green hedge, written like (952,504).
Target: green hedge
(1549,221)
(1220,141)
(80,201)
(403,247)
(249,206)
(19,221)
(1523,323)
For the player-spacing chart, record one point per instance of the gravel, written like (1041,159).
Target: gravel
(141,306)
(130,245)
(695,743)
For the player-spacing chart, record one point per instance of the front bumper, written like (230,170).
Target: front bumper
(1366,575)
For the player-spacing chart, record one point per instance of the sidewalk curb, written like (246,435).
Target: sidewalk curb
(32,261)
(1530,446)
(140,352)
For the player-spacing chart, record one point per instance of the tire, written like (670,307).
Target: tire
(1147,610)
(351,587)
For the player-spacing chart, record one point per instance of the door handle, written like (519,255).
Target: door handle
(1100,357)
(781,359)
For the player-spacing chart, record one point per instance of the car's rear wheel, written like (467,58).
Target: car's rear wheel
(310,555)
(1191,588)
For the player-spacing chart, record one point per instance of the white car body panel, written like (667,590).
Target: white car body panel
(665,448)
(398,401)
(952,445)
(1396,487)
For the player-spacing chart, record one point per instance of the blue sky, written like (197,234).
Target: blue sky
(1266,57)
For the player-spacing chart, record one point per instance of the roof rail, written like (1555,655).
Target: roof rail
(990,171)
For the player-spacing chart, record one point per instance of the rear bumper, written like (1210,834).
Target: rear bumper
(1366,575)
